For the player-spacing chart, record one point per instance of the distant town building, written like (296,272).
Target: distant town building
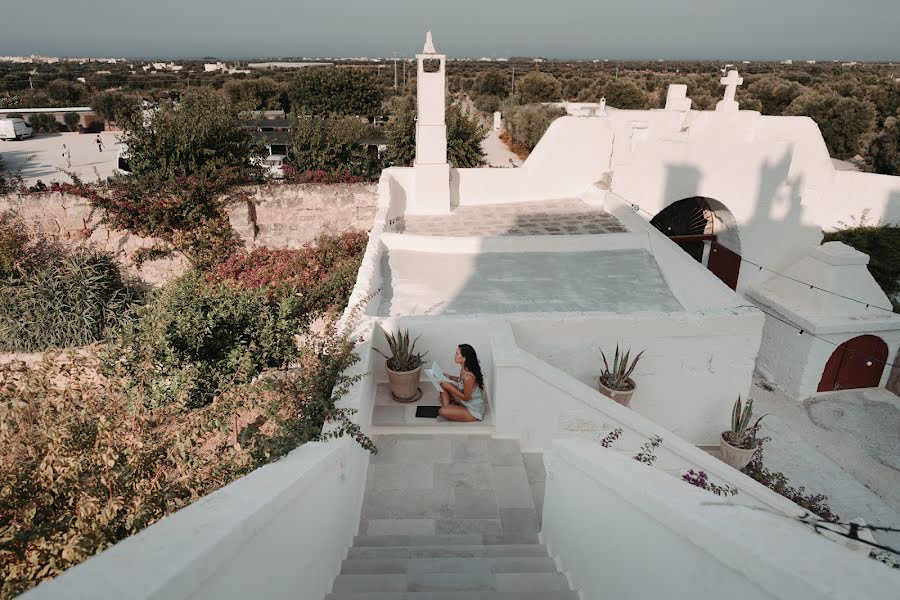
(288,65)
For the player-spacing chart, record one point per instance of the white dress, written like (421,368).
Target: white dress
(475,404)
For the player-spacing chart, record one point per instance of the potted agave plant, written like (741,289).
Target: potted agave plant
(739,443)
(404,366)
(616,383)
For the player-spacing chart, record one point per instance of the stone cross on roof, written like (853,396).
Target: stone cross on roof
(730,82)
(429,45)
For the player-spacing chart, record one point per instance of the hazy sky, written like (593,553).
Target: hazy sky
(668,29)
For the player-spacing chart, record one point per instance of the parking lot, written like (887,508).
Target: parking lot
(49,164)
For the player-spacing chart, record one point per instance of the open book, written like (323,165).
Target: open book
(436,375)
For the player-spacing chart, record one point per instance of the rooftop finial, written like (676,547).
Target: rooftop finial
(429,45)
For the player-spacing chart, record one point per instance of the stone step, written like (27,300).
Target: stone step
(468,539)
(461,551)
(462,566)
(563,595)
(476,581)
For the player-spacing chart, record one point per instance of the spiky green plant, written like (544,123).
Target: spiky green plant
(71,300)
(742,434)
(403,352)
(619,377)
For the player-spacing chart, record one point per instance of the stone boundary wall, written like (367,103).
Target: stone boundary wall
(275,216)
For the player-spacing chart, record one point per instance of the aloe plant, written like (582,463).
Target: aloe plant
(403,352)
(742,434)
(619,377)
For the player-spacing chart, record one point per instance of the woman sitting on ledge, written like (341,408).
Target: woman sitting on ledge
(464,400)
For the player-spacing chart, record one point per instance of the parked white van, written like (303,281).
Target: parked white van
(15,129)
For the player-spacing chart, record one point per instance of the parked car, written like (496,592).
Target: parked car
(15,129)
(122,166)
(273,165)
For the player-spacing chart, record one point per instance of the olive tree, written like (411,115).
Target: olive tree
(539,87)
(842,121)
(465,133)
(202,132)
(112,106)
(335,91)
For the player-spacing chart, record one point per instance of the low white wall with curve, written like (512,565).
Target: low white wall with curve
(615,540)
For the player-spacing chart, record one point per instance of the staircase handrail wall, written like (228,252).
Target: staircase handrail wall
(620,529)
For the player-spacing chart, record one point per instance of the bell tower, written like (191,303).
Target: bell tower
(432,172)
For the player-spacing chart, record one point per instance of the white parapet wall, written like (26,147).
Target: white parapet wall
(538,403)
(693,368)
(615,539)
(281,532)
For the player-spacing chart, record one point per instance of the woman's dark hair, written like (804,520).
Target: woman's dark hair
(471,363)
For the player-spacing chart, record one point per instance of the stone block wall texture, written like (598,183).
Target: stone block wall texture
(275,216)
(279,216)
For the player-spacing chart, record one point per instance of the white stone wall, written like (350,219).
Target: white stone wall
(693,369)
(795,362)
(616,539)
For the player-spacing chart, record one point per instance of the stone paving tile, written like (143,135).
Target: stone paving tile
(397,527)
(474,504)
(519,520)
(403,477)
(473,476)
(511,487)
(505,453)
(552,217)
(468,526)
(470,449)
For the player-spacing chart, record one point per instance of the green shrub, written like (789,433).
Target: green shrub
(487,103)
(198,337)
(882,244)
(71,120)
(324,92)
(70,300)
(13,240)
(536,86)
(885,148)
(335,145)
(82,471)
(528,123)
(464,135)
(43,123)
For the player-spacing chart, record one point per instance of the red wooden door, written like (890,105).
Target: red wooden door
(725,264)
(857,363)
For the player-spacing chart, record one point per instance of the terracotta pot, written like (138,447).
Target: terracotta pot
(404,384)
(620,396)
(734,456)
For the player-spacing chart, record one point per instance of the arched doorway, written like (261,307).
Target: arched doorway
(857,363)
(705,229)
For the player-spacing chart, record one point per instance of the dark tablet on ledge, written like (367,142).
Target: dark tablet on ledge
(427,412)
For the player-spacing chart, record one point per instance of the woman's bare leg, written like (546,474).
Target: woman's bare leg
(456,413)
(445,398)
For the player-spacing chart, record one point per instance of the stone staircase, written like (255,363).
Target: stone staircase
(450,516)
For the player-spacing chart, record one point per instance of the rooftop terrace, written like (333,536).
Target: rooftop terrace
(550,217)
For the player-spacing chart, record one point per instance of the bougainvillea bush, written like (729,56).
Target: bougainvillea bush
(322,272)
(778,482)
